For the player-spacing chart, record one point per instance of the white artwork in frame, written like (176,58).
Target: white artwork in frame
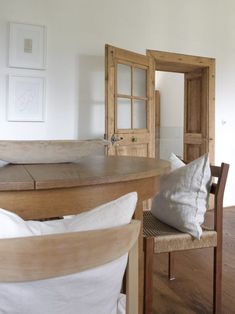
(26,98)
(27,46)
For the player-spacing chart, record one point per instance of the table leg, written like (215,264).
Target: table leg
(139,215)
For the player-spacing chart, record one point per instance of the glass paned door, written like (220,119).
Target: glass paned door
(123,113)
(123,79)
(129,103)
(139,82)
(139,114)
(131,97)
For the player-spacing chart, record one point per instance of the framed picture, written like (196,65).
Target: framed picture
(27,46)
(26,98)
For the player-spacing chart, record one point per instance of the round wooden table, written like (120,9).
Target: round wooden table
(52,190)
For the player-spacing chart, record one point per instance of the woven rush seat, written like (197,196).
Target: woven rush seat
(168,239)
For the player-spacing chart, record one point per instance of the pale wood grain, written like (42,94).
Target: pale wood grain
(199,100)
(87,171)
(176,62)
(15,177)
(132,277)
(41,257)
(47,151)
(144,145)
(67,189)
(157,123)
(40,204)
(196,114)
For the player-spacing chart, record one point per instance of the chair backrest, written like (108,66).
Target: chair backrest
(217,189)
(48,256)
(220,172)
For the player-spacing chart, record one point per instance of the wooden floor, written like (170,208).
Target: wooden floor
(191,291)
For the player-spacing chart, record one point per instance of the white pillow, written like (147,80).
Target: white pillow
(115,213)
(94,291)
(3,163)
(183,197)
(175,162)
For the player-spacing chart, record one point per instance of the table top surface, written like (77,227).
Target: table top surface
(88,170)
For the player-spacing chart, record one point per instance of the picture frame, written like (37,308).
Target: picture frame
(26,98)
(27,46)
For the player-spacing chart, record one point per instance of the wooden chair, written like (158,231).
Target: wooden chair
(43,257)
(159,238)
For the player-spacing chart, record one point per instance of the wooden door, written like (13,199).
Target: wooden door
(199,116)
(196,137)
(129,103)
(157,124)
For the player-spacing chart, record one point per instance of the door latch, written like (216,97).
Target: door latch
(115,139)
(134,139)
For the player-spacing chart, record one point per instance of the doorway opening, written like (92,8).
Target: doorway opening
(171,102)
(137,104)
(199,99)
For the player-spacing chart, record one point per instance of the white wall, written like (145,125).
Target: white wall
(76,33)
(171,88)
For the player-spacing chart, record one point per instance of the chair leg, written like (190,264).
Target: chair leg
(217,280)
(148,275)
(171,265)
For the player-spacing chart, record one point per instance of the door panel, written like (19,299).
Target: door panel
(129,102)
(194,150)
(139,114)
(139,150)
(139,82)
(196,142)
(123,79)
(123,113)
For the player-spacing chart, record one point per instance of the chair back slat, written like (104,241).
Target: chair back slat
(48,256)
(215,171)
(217,188)
(213,188)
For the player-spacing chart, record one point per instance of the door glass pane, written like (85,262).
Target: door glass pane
(139,114)
(124,79)
(139,82)
(123,113)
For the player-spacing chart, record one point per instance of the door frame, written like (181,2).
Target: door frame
(181,63)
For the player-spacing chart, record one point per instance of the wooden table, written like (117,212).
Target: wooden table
(52,190)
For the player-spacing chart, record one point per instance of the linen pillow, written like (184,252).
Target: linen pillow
(115,213)
(3,163)
(183,197)
(94,291)
(175,162)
